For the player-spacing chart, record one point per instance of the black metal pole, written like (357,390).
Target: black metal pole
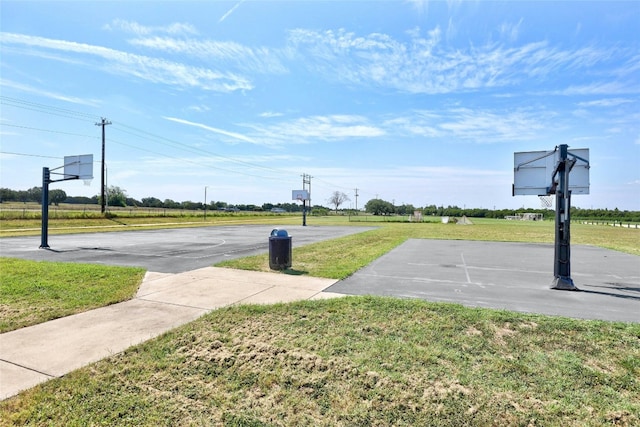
(103,196)
(304,212)
(562,253)
(44,235)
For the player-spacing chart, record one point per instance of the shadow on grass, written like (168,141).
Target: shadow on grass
(112,219)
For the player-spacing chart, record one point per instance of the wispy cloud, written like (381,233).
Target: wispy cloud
(230,11)
(510,31)
(598,88)
(49,94)
(424,64)
(469,125)
(489,126)
(317,128)
(607,102)
(270,114)
(421,6)
(481,126)
(156,70)
(212,129)
(260,60)
(176,28)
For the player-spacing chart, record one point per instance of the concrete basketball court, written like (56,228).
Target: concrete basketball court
(165,251)
(510,276)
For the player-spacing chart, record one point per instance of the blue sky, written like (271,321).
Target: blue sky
(420,102)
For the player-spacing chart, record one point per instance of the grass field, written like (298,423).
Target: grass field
(362,361)
(357,361)
(32,292)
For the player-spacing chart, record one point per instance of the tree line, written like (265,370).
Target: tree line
(117,197)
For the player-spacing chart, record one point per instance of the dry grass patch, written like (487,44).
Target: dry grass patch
(357,361)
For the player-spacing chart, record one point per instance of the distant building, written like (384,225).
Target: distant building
(525,217)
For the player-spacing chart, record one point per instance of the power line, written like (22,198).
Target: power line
(142,134)
(31,155)
(183,146)
(47,109)
(127,129)
(48,130)
(114,141)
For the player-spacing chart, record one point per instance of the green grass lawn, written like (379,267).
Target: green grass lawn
(32,292)
(356,361)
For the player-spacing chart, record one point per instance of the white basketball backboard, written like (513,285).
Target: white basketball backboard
(78,166)
(533,172)
(300,195)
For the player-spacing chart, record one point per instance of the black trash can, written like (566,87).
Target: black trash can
(279,250)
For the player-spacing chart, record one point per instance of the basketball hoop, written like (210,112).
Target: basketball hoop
(300,195)
(546,201)
(87,182)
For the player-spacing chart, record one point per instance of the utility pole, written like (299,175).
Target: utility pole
(306,179)
(356,190)
(103,196)
(205,202)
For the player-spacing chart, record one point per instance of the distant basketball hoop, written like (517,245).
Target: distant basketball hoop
(300,195)
(87,182)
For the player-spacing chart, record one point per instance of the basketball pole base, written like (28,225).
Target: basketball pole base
(563,284)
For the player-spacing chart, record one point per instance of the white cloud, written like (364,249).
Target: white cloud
(510,31)
(212,129)
(421,6)
(230,11)
(607,102)
(598,88)
(259,60)
(423,64)
(49,94)
(147,68)
(143,30)
(469,125)
(269,114)
(317,128)
(199,108)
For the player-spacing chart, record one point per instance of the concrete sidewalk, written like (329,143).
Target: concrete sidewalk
(32,355)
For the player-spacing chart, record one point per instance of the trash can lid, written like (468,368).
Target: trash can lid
(279,233)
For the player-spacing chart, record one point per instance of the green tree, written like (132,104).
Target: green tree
(8,195)
(34,194)
(151,202)
(116,196)
(57,196)
(379,207)
(171,204)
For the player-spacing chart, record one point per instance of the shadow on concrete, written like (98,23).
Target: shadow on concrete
(294,272)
